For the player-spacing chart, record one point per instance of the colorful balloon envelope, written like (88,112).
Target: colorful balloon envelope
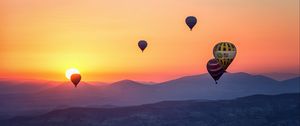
(142,45)
(215,69)
(75,78)
(191,21)
(225,53)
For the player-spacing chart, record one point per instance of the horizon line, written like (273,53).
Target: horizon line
(142,81)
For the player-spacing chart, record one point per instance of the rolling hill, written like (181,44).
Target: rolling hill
(127,92)
(256,110)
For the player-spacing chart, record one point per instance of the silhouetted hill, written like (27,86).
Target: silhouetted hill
(292,81)
(281,76)
(17,87)
(231,85)
(128,84)
(257,110)
(128,92)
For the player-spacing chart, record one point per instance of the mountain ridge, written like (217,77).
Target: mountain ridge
(128,92)
(258,110)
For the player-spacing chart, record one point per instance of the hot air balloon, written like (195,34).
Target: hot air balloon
(191,21)
(224,52)
(215,69)
(75,78)
(142,44)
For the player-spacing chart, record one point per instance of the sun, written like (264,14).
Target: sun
(71,71)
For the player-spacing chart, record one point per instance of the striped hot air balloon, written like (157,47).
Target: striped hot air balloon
(225,53)
(215,69)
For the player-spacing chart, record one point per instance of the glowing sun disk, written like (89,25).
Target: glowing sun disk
(71,71)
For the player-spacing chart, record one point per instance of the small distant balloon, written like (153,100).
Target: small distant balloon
(215,69)
(75,78)
(225,53)
(142,45)
(191,21)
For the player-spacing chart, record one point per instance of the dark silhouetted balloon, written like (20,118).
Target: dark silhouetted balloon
(191,21)
(215,69)
(142,44)
(75,78)
(225,53)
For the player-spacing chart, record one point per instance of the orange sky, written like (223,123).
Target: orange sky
(41,39)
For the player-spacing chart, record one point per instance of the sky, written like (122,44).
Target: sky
(42,39)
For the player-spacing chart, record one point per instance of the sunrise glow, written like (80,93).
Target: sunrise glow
(41,39)
(71,71)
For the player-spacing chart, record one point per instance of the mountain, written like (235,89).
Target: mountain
(281,76)
(230,85)
(27,86)
(292,81)
(256,110)
(128,92)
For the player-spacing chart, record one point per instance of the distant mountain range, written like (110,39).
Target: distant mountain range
(281,76)
(28,98)
(256,110)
